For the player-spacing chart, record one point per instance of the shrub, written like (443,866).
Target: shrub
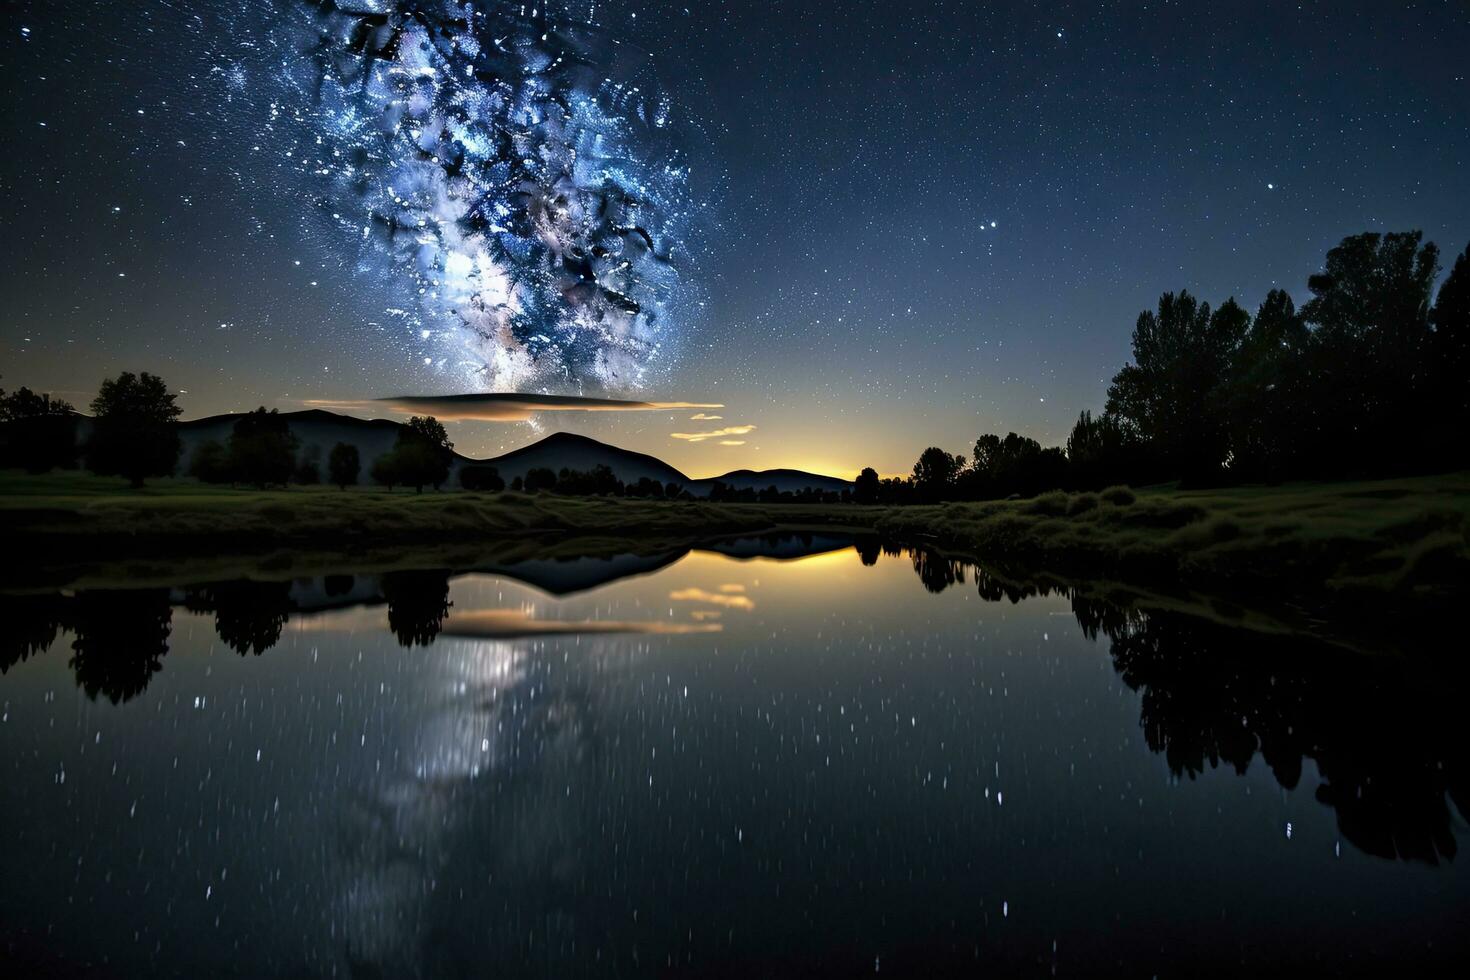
(1082,503)
(1053,504)
(1119,496)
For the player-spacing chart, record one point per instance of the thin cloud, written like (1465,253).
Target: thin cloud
(496,406)
(732,442)
(729,430)
(701,417)
(712,598)
(511,624)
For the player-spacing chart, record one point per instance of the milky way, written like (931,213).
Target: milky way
(510,176)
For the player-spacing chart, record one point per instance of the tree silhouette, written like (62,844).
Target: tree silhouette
(31,623)
(249,615)
(1451,359)
(485,478)
(210,463)
(262,449)
(133,433)
(540,478)
(40,434)
(1170,394)
(387,470)
(343,464)
(418,601)
(120,637)
(423,453)
(935,473)
(865,487)
(1368,369)
(1267,387)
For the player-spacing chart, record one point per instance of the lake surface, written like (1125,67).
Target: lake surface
(768,758)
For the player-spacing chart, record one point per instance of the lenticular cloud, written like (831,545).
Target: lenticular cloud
(520,169)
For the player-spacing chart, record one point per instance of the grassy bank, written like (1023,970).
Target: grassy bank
(1312,544)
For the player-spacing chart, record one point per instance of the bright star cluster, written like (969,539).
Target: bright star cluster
(514,176)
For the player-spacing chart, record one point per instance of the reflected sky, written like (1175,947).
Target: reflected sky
(854,758)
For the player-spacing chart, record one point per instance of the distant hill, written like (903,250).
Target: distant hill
(782,480)
(567,450)
(318,431)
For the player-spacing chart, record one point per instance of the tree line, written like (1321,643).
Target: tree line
(1369,378)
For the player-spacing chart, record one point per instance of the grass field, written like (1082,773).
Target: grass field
(1307,543)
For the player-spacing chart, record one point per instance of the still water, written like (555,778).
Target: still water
(777,756)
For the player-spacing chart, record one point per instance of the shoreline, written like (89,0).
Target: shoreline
(1385,551)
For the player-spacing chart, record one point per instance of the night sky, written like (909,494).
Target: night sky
(861,227)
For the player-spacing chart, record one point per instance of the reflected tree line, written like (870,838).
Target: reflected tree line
(1386,739)
(1384,736)
(120,636)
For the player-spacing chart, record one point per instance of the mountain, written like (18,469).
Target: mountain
(318,431)
(783,480)
(567,450)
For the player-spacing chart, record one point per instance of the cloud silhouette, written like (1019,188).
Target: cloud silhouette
(729,430)
(497,406)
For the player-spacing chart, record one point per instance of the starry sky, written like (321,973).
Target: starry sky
(861,227)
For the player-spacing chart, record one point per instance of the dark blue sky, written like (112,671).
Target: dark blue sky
(848,161)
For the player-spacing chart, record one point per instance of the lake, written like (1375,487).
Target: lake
(776,755)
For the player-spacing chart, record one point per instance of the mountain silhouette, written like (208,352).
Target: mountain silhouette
(319,430)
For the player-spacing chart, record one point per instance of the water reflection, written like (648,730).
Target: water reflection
(417,601)
(1387,744)
(600,764)
(1389,752)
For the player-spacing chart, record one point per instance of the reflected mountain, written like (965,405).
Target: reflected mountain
(1382,733)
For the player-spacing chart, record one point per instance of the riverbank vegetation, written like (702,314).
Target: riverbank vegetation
(1309,543)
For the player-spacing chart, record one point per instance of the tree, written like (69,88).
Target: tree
(210,463)
(120,637)
(262,449)
(23,403)
(418,601)
(1099,452)
(935,472)
(865,487)
(249,615)
(481,478)
(308,471)
(424,452)
(134,434)
(1368,370)
(1266,389)
(540,478)
(41,433)
(344,464)
(1170,395)
(1451,358)
(386,470)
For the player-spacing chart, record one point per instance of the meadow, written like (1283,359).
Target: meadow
(1320,548)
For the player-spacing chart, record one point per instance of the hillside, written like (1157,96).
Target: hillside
(570,451)
(318,431)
